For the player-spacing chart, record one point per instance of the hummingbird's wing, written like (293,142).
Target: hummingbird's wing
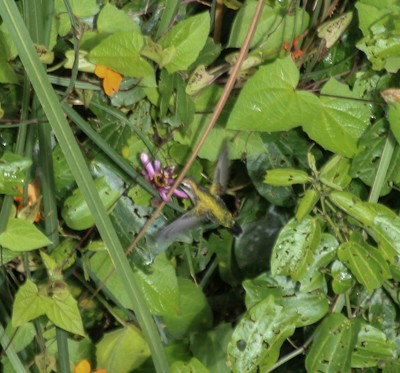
(178,227)
(221,174)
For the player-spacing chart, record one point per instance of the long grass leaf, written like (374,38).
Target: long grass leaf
(49,101)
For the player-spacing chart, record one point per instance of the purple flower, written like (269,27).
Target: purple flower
(160,178)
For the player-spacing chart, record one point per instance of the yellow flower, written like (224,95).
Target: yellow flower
(84,367)
(111,79)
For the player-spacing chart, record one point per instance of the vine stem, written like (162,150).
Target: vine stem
(218,109)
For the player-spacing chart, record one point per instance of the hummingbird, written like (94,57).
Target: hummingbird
(208,205)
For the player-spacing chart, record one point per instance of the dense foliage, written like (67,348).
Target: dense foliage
(103,103)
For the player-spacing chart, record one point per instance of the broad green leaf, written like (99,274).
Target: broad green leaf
(341,119)
(372,348)
(159,283)
(28,304)
(245,143)
(269,20)
(309,307)
(335,172)
(188,37)
(210,347)
(64,312)
(353,206)
(332,346)
(21,235)
(258,337)
(65,253)
(114,348)
(293,250)
(365,262)
(82,8)
(22,336)
(369,12)
(275,26)
(63,178)
(324,254)
(342,279)
(7,73)
(382,312)
(385,230)
(381,42)
(269,102)
(13,173)
(307,203)
(76,213)
(121,52)
(111,19)
(194,312)
(193,365)
(256,166)
(259,288)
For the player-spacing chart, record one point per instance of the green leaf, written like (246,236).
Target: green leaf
(111,19)
(194,312)
(293,250)
(210,347)
(269,102)
(286,177)
(332,346)
(244,143)
(83,8)
(21,235)
(335,172)
(114,347)
(160,287)
(324,254)
(193,365)
(394,119)
(64,313)
(76,213)
(22,336)
(275,26)
(121,52)
(366,161)
(188,37)
(159,284)
(308,307)
(372,348)
(28,304)
(258,337)
(365,262)
(342,279)
(340,121)
(13,173)
(381,42)
(269,20)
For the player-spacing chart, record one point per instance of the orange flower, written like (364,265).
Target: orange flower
(33,196)
(84,367)
(111,79)
(295,51)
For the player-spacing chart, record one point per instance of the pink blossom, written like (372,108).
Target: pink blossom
(160,178)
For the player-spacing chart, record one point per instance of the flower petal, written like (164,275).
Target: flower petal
(145,159)
(82,367)
(180,193)
(100,71)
